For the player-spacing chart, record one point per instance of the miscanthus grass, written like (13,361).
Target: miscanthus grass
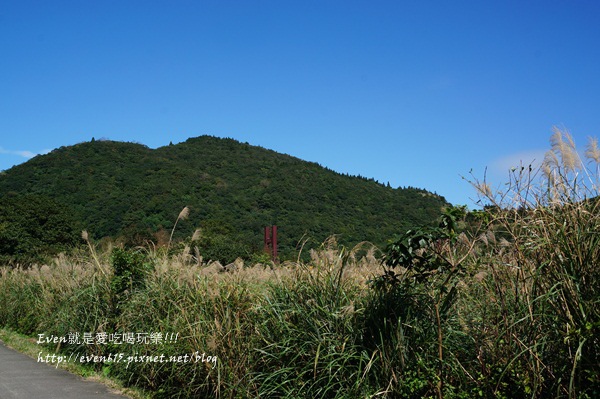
(224,315)
(542,287)
(514,311)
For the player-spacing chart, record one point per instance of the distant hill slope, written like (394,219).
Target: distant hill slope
(233,189)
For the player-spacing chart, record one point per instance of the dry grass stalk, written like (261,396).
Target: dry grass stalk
(86,238)
(592,151)
(185,212)
(563,145)
(197,235)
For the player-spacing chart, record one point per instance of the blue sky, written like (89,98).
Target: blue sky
(417,93)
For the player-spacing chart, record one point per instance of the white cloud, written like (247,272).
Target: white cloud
(23,153)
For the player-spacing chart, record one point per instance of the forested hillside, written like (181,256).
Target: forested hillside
(133,193)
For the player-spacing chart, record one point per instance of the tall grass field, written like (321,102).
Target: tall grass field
(503,302)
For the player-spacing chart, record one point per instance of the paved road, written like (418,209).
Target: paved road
(22,377)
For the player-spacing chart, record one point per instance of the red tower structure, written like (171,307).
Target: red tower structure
(271,242)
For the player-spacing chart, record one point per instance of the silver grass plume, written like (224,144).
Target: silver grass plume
(185,212)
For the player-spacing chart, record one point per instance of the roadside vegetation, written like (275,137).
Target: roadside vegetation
(502,302)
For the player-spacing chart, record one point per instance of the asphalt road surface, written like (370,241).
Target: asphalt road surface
(22,377)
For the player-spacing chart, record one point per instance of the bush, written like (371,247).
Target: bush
(130,269)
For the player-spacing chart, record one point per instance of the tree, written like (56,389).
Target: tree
(33,228)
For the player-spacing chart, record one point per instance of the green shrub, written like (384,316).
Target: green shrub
(130,269)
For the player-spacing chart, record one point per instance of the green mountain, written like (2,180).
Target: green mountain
(131,192)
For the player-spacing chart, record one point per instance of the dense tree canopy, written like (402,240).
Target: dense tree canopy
(33,227)
(233,190)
